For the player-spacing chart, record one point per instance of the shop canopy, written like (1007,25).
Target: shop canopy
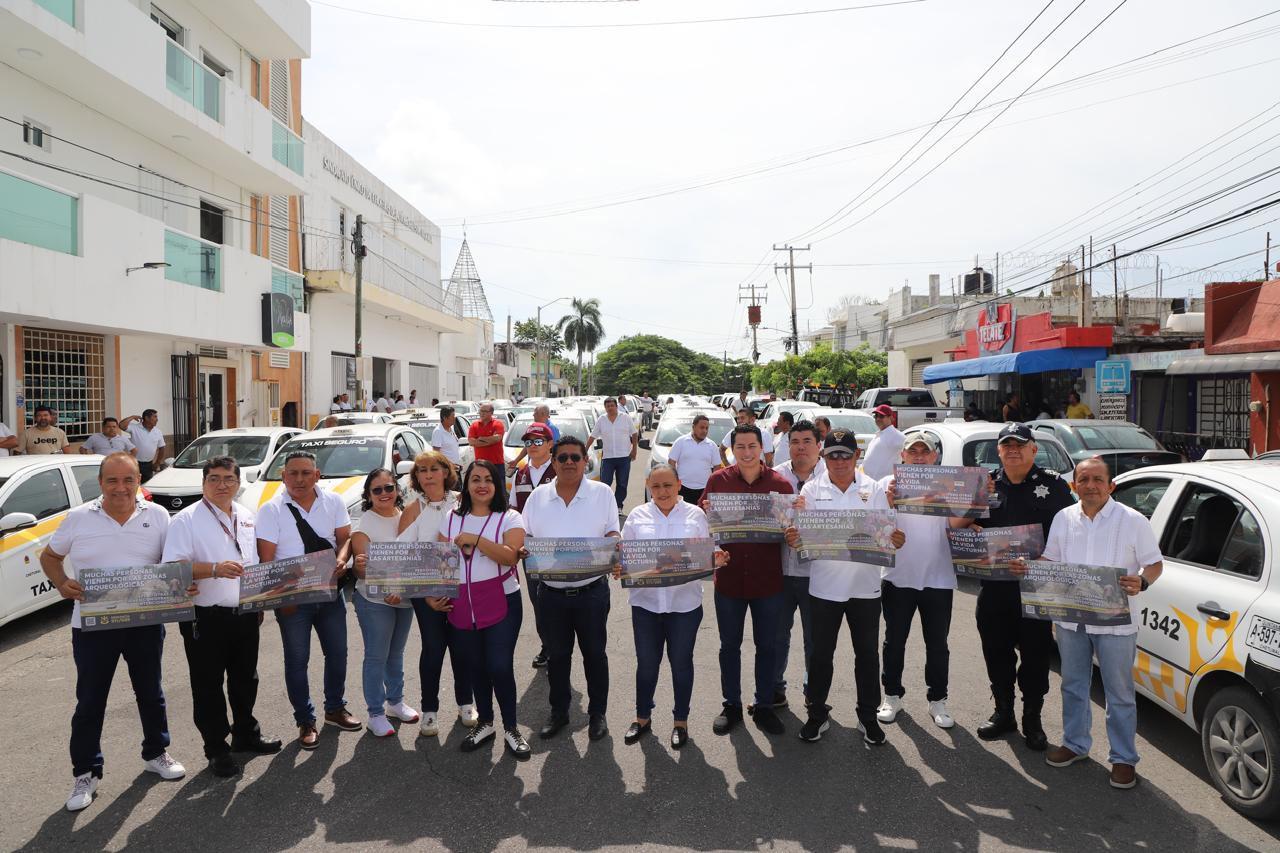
(1248,362)
(1027,361)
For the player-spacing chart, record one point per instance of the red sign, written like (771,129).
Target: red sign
(753,315)
(995,328)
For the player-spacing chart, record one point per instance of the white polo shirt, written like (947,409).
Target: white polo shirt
(90,538)
(766,440)
(99,443)
(686,521)
(791,565)
(148,441)
(446,442)
(924,562)
(200,534)
(276,523)
(737,404)
(591,513)
(781,447)
(833,580)
(5,432)
(884,451)
(616,434)
(695,460)
(1118,536)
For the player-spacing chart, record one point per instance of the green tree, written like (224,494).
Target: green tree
(582,331)
(657,364)
(547,337)
(859,368)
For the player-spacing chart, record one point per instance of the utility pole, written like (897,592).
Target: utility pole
(791,267)
(1115,279)
(357,247)
(753,301)
(1266,263)
(1086,287)
(724,372)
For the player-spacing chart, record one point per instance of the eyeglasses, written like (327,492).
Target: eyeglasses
(222,481)
(840,456)
(382,490)
(569,457)
(534,442)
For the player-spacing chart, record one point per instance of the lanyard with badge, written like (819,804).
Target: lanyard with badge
(230,532)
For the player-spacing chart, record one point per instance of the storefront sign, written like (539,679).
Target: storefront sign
(1112,377)
(277,319)
(995,329)
(1113,407)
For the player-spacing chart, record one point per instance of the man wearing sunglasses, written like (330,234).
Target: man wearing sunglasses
(538,471)
(885,450)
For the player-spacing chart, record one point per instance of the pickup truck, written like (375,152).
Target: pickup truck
(914,406)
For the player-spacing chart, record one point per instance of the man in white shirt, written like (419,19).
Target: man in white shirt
(110,440)
(400,405)
(304,519)
(346,403)
(621,441)
(694,457)
(739,403)
(216,536)
(573,506)
(117,530)
(781,439)
(885,450)
(842,591)
(1099,531)
(804,465)
(8,441)
(922,579)
(443,438)
(746,417)
(148,438)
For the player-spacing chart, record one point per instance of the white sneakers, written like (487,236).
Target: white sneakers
(402,712)
(429,727)
(941,717)
(889,708)
(165,767)
(380,726)
(468,715)
(82,792)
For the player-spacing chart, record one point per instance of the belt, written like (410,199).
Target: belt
(571,591)
(216,608)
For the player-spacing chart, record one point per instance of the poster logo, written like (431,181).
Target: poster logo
(995,329)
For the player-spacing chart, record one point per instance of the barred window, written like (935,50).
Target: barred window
(65,371)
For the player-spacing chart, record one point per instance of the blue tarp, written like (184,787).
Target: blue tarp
(1031,361)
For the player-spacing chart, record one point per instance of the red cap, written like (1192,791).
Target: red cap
(537,430)
(884,409)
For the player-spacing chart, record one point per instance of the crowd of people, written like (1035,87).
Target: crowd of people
(552,497)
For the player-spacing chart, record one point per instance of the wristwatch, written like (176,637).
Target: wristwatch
(1144,584)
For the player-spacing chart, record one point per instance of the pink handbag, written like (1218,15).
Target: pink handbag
(480,604)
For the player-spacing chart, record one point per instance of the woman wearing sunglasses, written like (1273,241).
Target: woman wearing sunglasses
(487,612)
(434,481)
(384,626)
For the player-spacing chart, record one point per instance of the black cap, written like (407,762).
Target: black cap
(1020,433)
(840,439)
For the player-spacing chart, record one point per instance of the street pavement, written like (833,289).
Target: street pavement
(925,789)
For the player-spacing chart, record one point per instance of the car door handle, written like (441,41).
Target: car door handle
(1213,610)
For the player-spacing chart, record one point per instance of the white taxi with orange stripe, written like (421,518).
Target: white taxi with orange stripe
(345,455)
(1209,634)
(35,494)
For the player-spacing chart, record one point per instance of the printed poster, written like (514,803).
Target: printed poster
(569,558)
(133,596)
(847,535)
(413,569)
(987,553)
(666,562)
(1073,592)
(742,518)
(308,579)
(945,490)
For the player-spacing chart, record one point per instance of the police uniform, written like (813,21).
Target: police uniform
(1005,632)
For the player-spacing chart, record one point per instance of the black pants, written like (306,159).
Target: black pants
(146,469)
(1006,634)
(220,644)
(900,606)
(691,496)
(534,587)
(863,616)
(580,613)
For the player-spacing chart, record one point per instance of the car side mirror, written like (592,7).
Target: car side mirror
(251,477)
(168,462)
(17,521)
(404,467)
(599,444)
(644,444)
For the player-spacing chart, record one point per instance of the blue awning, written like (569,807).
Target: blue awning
(1030,361)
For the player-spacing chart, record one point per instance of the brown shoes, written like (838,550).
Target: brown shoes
(1123,776)
(308,737)
(342,719)
(1060,756)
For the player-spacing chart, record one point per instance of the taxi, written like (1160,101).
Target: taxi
(569,422)
(1209,628)
(35,494)
(181,483)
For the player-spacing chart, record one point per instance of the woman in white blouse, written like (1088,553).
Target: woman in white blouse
(666,616)
(487,613)
(384,626)
(433,482)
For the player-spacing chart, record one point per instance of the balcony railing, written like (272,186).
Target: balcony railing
(192,261)
(34,214)
(192,82)
(286,146)
(64,9)
(287,281)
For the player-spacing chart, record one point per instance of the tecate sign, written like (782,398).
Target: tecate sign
(995,328)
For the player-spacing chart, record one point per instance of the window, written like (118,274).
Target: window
(215,66)
(86,477)
(42,494)
(212,218)
(258,226)
(171,28)
(1195,535)
(38,216)
(1243,552)
(290,283)
(401,451)
(191,261)
(1048,456)
(1142,495)
(255,79)
(36,135)
(65,371)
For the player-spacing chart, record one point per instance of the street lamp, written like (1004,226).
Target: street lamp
(149,265)
(538,343)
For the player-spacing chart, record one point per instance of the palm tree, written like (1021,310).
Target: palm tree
(582,331)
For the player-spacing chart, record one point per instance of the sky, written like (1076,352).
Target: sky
(656,167)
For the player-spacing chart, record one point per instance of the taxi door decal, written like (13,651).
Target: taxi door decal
(1228,661)
(268,492)
(1162,679)
(21,538)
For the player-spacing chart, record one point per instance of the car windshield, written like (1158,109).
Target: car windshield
(854,423)
(575,427)
(245,449)
(669,431)
(1115,438)
(906,398)
(982,451)
(336,456)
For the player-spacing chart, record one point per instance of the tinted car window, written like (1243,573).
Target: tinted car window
(983,452)
(1142,495)
(336,456)
(1196,534)
(717,428)
(245,449)
(42,494)
(1115,438)
(86,477)
(573,426)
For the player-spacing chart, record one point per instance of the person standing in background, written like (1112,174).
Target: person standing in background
(1076,409)
(885,450)
(44,438)
(109,440)
(148,438)
(782,438)
(694,458)
(8,441)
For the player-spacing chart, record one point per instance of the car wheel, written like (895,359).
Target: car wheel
(1241,743)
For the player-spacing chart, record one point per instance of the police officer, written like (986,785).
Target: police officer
(1025,494)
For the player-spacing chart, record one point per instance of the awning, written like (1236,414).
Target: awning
(1030,361)
(1248,362)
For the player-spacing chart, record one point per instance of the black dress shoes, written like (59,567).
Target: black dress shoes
(552,726)
(258,745)
(597,728)
(636,731)
(679,737)
(223,765)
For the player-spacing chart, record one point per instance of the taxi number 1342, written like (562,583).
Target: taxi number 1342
(1164,624)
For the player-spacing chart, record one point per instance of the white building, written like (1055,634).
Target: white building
(164,135)
(406,316)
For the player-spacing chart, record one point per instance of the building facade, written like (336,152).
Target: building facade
(149,241)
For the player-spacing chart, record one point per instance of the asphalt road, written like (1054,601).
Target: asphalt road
(926,789)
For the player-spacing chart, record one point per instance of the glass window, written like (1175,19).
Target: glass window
(245,449)
(338,456)
(192,262)
(64,9)
(86,477)
(42,494)
(669,431)
(290,283)
(1244,549)
(66,372)
(1115,438)
(983,452)
(1196,533)
(1142,495)
(38,216)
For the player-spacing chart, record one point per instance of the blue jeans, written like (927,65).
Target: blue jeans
(330,622)
(1115,661)
(438,637)
(580,613)
(490,654)
(621,466)
(96,655)
(385,630)
(731,618)
(677,631)
(795,596)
